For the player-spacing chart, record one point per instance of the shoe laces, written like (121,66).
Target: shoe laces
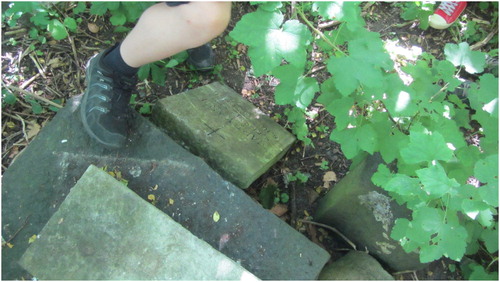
(448,7)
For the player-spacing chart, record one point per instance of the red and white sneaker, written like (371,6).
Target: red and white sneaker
(446,14)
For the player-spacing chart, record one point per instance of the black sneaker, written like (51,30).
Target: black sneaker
(104,108)
(202,58)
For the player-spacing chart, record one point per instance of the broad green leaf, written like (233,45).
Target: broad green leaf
(486,97)
(118,18)
(486,170)
(426,148)
(489,193)
(403,185)
(158,74)
(479,273)
(40,19)
(70,23)
(270,42)
(452,240)
(57,29)
(381,176)
(144,71)
(345,137)
(367,138)
(429,219)
(341,11)
(337,105)
(435,180)
(80,7)
(297,117)
(461,55)
(401,226)
(294,88)
(490,238)
(429,253)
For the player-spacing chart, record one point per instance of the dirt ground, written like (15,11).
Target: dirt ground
(63,77)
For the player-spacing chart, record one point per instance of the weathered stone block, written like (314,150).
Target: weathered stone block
(185,188)
(356,265)
(366,214)
(233,136)
(104,231)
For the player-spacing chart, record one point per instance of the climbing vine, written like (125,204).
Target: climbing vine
(416,124)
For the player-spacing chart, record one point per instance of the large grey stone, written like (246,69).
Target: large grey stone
(104,231)
(185,188)
(365,214)
(355,266)
(235,138)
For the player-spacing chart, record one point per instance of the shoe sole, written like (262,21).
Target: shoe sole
(82,112)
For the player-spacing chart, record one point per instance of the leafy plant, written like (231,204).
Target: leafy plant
(417,127)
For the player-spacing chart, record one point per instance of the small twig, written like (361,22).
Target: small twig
(13,32)
(484,41)
(29,81)
(40,70)
(18,230)
(332,229)
(24,129)
(40,98)
(16,117)
(328,24)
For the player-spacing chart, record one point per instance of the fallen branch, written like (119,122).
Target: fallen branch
(332,229)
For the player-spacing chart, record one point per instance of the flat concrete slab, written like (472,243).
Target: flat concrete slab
(184,186)
(231,134)
(104,231)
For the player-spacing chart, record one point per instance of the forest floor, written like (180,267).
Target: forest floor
(56,73)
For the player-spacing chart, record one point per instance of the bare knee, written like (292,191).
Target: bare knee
(210,18)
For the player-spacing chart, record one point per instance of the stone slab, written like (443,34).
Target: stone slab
(232,135)
(104,231)
(365,214)
(356,265)
(185,187)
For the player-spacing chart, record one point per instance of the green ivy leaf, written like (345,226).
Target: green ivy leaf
(294,88)
(426,148)
(461,55)
(57,29)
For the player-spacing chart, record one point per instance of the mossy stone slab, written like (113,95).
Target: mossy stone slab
(104,231)
(356,265)
(184,186)
(233,136)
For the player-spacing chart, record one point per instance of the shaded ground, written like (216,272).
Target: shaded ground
(57,72)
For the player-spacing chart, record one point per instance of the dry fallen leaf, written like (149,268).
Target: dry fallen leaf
(33,130)
(279,209)
(216,216)
(329,177)
(93,27)
(32,239)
